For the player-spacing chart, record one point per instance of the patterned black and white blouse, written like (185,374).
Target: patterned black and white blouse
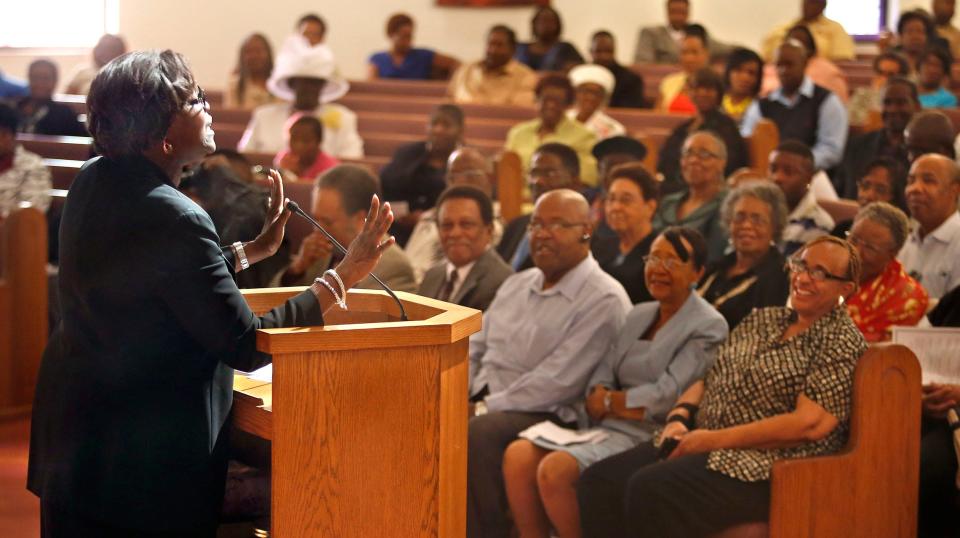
(757,376)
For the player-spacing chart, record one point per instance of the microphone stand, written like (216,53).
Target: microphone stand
(292,206)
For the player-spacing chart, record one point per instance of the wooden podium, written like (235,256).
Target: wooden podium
(368,419)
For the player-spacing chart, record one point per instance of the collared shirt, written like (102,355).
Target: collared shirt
(602,125)
(524,138)
(267,130)
(934,260)
(890,298)
(28,180)
(511,85)
(462,273)
(423,248)
(758,375)
(832,40)
(537,347)
(807,221)
(832,123)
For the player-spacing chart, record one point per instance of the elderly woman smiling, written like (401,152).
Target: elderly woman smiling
(593,84)
(664,346)
(753,274)
(780,388)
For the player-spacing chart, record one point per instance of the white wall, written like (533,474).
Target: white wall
(209,32)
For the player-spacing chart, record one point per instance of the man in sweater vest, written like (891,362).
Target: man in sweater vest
(802,110)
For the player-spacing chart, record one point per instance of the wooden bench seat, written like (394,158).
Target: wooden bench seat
(76,148)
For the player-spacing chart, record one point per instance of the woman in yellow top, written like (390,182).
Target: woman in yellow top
(554,95)
(742,80)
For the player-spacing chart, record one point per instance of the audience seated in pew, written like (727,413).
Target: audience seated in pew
(791,168)
(931,253)
(629,203)
(108,47)
(23,176)
(247,85)
(414,177)
(547,51)
(884,181)
(306,77)
(553,166)
(497,79)
(465,167)
(628,86)
(593,85)
(403,60)
(933,71)
(930,131)
(665,345)
(801,109)
(39,113)
(887,295)
(237,209)
(832,40)
(554,95)
(697,203)
(753,275)
(545,332)
(915,34)
(609,154)
(780,388)
(867,100)
(470,272)
(706,91)
(674,95)
(340,204)
(900,102)
(741,80)
(819,69)
(662,44)
(304,159)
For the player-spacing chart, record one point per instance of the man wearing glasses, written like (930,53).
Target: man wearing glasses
(542,336)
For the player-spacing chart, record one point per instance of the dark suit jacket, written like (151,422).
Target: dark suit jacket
(858,154)
(478,288)
(514,232)
(135,386)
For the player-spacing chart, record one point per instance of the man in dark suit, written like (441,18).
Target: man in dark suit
(628,86)
(553,166)
(661,44)
(471,272)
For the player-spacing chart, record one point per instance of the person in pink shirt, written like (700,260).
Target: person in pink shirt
(303,159)
(821,71)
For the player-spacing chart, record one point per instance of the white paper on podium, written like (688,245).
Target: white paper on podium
(548,431)
(262,374)
(937,349)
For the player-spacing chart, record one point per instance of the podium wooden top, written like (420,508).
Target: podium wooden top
(371,321)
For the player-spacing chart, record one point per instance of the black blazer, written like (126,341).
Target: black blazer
(135,386)
(479,287)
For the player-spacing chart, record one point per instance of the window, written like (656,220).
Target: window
(860,18)
(58,23)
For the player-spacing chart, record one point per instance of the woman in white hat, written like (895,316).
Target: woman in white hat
(307,79)
(593,85)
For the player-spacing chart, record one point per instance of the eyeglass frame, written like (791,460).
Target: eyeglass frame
(667,263)
(552,227)
(796,265)
(200,99)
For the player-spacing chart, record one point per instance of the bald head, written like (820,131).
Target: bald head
(933,187)
(467,166)
(570,201)
(929,131)
(560,232)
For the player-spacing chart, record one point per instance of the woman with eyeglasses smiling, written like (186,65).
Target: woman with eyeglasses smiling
(888,296)
(753,275)
(781,388)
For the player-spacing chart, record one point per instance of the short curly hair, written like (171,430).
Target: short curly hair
(134,98)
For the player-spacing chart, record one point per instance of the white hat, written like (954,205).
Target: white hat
(298,59)
(592,73)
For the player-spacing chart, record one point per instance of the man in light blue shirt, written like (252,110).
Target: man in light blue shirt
(801,109)
(543,335)
(11,88)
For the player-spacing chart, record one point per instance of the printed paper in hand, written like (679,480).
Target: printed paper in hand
(548,431)
(937,349)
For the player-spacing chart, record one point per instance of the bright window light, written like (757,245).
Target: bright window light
(858,17)
(58,23)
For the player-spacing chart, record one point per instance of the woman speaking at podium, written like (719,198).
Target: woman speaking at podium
(135,387)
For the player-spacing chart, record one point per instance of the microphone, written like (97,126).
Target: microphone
(292,206)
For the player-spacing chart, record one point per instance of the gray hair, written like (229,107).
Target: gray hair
(355,184)
(721,145)
(765,191)
(889,217)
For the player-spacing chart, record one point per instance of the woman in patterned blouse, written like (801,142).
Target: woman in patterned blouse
(781,388)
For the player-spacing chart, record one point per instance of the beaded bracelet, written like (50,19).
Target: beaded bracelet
(341,302)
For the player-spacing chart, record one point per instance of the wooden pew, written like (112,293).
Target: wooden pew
(75,148)
(62,171)
(510,183)
(870,488)
(764,139)
(23,305)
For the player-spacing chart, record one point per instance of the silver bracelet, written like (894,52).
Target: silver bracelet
(341,302)
(241,255)
(343,289)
